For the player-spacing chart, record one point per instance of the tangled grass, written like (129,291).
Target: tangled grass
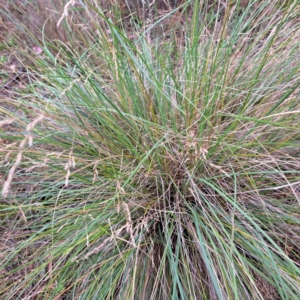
(158,164)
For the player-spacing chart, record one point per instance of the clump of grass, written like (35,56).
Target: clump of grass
(165,166)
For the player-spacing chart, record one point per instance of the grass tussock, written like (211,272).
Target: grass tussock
(153,161)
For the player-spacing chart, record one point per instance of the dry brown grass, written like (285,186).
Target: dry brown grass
(42,17)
